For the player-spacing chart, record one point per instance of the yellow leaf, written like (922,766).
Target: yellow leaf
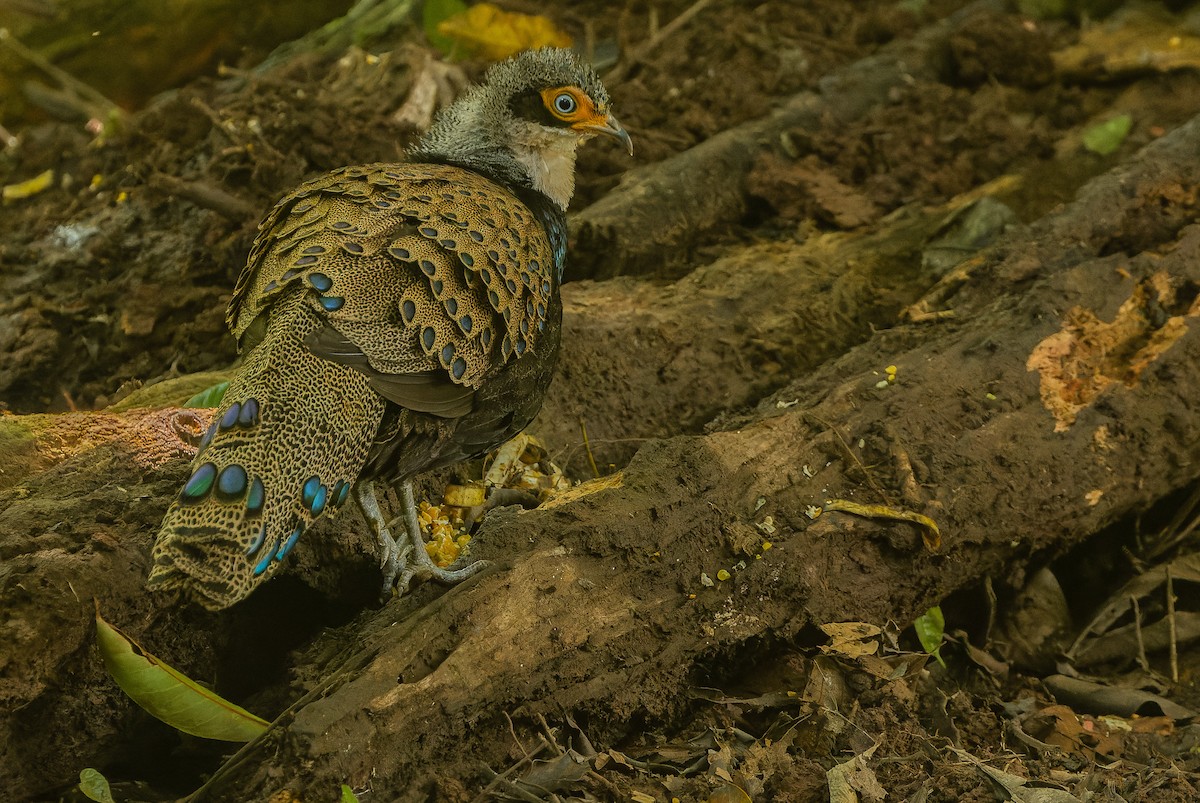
(495,34)
(169,695)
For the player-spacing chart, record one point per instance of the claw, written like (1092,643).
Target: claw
(394,560)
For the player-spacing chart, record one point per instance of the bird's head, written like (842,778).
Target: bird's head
(524,121)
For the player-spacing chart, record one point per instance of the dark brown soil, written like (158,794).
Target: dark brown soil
(585,644)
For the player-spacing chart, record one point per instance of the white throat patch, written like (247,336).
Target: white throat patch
(549,156)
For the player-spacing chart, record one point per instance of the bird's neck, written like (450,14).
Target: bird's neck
(549,160)
(515,154)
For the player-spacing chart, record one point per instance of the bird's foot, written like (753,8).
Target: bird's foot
(393,559)
(422,567)
(401,564)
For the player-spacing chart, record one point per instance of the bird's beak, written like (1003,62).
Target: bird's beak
(613,128)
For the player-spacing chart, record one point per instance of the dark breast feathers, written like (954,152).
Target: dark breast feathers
(393,318)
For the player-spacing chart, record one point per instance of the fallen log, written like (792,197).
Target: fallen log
(1058,399)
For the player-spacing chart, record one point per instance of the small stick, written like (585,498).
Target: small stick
(1137,629)
(618,73)
(587,446)
(1173,635)
(64,78)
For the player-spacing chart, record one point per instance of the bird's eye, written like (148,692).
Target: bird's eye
(564,103)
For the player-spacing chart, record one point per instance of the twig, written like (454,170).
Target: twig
(882,494)
(1137,629)
(588,448)
(67,81)
(618,73)
(1171,630)
(206,196)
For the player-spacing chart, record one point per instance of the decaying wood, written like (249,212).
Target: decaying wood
(649,223)
(992,417)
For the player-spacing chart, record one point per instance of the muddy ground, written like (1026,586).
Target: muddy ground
(804,209)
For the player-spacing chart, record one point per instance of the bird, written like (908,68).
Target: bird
(391,318)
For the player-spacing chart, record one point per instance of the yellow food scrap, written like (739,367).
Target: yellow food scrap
(24,189)
(446,541)
(723,574)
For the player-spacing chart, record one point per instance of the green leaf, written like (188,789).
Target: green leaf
(931,627)
(348,795)
(210,397)
(95,786)
(169,695)
(1104,138)
(435,12)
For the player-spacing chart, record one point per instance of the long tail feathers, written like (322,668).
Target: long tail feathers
(288,443)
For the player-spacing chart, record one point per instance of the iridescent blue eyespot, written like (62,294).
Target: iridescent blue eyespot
(409,310)
(254,502)
(320,281)
(520,346)
(232,483)
(309,491)
(208,435)
(342,493)
(426,231)
(257,543)
(447,353)
(437,287)
(332,303)
(341,224)
(263,562)
(428,267)
(314,249)
(248,417)
(200,484)
(452,306)
(289,274)
(486,275)
(466,323)
(318,502)
(458,368)
(494,299)
(287,545)
(305,260)
(230,417)
(427,337)
(511,285)
(477,236)
(450,244)
(466,259)
(352,247)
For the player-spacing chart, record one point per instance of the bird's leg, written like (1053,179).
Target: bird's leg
(392,559)
(422,566)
